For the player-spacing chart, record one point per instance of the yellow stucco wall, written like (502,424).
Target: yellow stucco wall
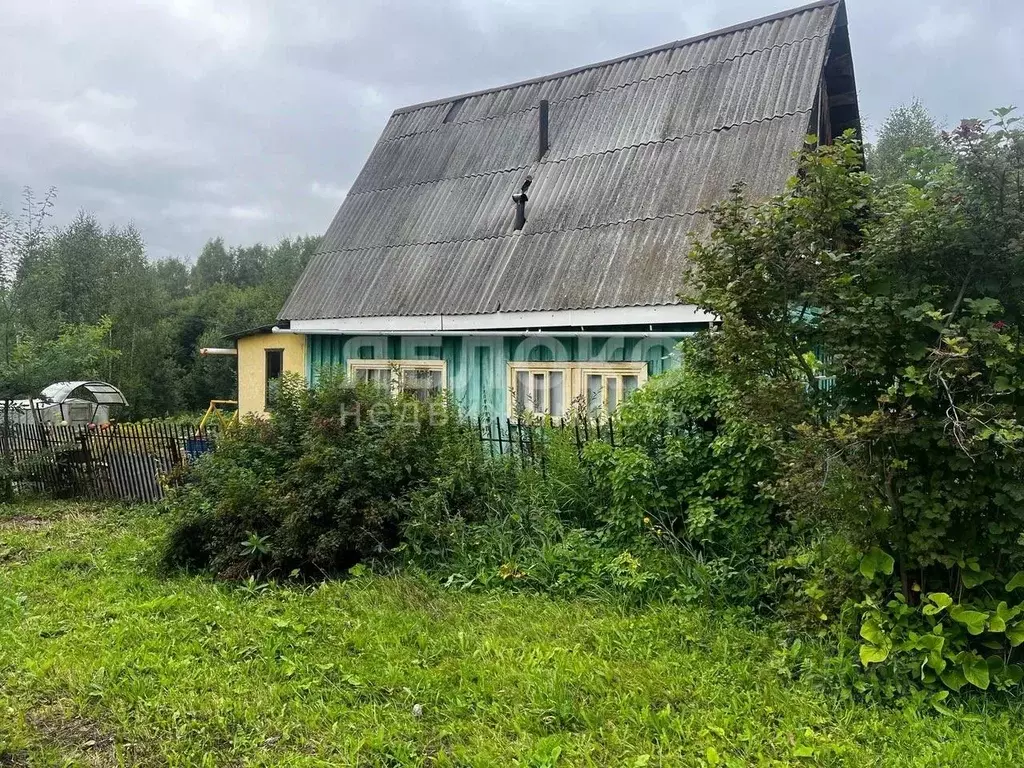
(252,360)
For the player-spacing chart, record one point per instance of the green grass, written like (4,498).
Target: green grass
(103,661)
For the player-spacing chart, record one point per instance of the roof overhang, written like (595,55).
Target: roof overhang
(257,331)
(512,321)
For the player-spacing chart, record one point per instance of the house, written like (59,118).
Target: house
(262,358)
(523,247)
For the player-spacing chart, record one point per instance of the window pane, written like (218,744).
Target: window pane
(537,404)
(421,383)
(629,385)
(379,377)
(612,385)
(522,388)
(594,393)
(275,363)
(555,393)
(412,384)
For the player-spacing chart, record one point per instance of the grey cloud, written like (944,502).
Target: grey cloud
(198,118)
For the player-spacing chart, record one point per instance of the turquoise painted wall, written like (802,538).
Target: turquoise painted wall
(478,365)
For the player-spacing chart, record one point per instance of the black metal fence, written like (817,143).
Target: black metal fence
(529,441)
(124,462)
(132,462)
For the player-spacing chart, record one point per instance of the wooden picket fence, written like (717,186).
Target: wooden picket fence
(122,462)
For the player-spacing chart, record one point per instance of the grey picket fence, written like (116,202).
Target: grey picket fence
(119,462)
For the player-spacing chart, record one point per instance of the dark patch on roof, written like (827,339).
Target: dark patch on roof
(640,147)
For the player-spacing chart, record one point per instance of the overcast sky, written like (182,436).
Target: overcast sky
(249,119)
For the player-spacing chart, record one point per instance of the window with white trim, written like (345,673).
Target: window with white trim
(423,379)
(604,386)
(539,388)
(552,389)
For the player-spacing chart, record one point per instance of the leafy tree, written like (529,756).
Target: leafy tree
(214,266)
(250,265)
(21,243)
(909,146)
(160,313)
(172,278)
(890,319)
(78,352)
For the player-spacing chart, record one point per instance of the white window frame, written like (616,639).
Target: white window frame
(398,368)
(566,369)
(618,371)
(574,384)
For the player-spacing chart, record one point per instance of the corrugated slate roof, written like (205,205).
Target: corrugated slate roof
(639,148)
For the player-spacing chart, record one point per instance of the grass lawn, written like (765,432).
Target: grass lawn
(105,662)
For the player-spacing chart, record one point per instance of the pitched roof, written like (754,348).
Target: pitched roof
(639,147)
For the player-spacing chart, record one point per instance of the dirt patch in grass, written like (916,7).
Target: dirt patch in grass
(24,523)
(17,759)
(11,555)
(76,738)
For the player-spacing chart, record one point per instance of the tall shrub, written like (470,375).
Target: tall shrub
(897,312)
(317,487)
(692,466)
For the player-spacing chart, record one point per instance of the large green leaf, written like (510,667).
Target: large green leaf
(975,671)
(972,579)
(939,601)
(999,620)
(876,561)
(973,620)
(873,654)
(872,632)
(930,642)
(954,679)
(934,645)
(1015,634)
(1006,613)
(1017,582)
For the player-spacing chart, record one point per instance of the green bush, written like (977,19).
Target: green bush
(894,315)
(940,642)
(318,487)
(676,509)
(692,467)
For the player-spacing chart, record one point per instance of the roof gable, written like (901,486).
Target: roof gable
(639,148)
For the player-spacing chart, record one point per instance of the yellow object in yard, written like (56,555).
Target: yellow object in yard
(215,412)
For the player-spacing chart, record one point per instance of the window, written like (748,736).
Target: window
(423,379)
(273,366)
(605,385)
(541,388)
(552,388)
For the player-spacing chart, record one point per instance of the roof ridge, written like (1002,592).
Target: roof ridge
(546,161)
(609,89)
(626,57)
